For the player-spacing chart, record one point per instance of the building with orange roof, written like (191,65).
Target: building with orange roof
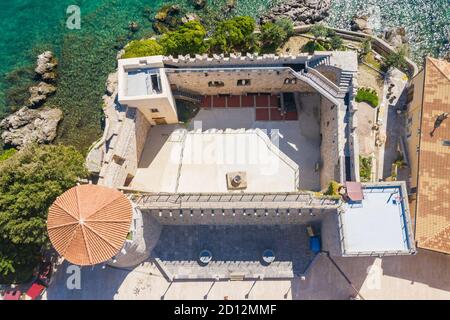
(428,140)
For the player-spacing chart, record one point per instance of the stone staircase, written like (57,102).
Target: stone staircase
(186,96)
(321,84)
(345,80)
(118,144)
(318,62)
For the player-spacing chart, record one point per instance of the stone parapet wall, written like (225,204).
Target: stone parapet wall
(238,59)
(332,147)
(123,156)
(248,216)
(142,130)
(235,208)
(261,80)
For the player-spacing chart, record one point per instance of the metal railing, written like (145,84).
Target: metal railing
(163,200)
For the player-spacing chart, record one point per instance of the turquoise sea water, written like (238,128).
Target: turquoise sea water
(32,25)
(427,22)
(86,56)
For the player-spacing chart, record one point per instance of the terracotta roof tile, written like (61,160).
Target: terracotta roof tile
(433,197)
(88,224)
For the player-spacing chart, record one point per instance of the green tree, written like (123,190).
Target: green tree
(30,181)
(143,48)
(336,42)
(318,30)
(187,39)
(272,36)
(287,25)
(366,46)
(395,60)
(234,35)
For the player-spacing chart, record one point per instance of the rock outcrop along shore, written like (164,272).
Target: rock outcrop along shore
(31,123)
(300,11)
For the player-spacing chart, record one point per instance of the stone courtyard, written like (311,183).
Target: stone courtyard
(421,276)
(236,250)
(165,164)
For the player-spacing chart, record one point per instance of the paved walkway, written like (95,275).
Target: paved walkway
(235,250)
(391,128)
(423,276)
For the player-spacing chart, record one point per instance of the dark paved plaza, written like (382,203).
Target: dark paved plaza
(235,250)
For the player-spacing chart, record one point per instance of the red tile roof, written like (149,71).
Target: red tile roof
(88,224)
(433,192)
(354,191)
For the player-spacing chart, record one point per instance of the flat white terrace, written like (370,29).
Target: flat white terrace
(378,224)
(197,160)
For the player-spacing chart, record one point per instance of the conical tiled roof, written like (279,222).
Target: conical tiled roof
(88,224)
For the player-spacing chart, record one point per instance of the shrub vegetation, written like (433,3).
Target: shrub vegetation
(273,35)
(365,168)
(312,46)
(188,38)
(333,189)
(336,42)
(6,154)
(234,35)
(367,95)
(142,48)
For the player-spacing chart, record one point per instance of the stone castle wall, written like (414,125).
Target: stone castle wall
(330,72)
(261,80)
(123,157)
(239,60)
(142,130)
(331,143)
(238,216)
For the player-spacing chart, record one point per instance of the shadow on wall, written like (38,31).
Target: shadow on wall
(394,133)
(427,267)
(95,283)
(159,135)
(325,282)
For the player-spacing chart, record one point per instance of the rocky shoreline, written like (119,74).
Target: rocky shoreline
(301,12)
(29,125)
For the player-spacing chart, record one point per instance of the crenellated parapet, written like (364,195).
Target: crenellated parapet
(238,59)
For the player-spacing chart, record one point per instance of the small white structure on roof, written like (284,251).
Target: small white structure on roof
(379,224)
(143,84)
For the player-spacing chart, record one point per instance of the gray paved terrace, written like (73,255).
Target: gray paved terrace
(236,250)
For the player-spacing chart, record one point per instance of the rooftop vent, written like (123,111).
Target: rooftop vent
(236,180)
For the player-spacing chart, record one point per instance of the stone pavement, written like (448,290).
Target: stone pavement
(235,250)
(392,123)
(423,276)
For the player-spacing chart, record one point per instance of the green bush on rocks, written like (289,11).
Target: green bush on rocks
(143,48)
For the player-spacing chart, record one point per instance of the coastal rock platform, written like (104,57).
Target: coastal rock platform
(28,126)
(299,11)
